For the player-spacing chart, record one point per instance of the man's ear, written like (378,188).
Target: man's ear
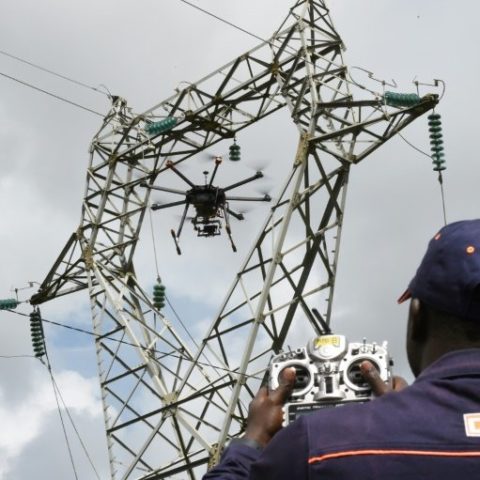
(418,321)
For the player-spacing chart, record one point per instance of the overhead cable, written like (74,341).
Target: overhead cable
(67,442)
(208,362)
(51,94)
(17,356)
(124,342)
(64,77)
(223,20)
(55,386)
(288,48)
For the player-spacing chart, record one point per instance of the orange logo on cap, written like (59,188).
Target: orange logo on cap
(437,236)
(470,249)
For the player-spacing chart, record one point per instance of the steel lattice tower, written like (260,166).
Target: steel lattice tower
(170,410)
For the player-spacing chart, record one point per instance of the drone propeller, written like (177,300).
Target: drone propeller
(207,157)
(264,190)
(160,198)
(258,165)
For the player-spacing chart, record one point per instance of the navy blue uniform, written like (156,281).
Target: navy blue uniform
(429,431)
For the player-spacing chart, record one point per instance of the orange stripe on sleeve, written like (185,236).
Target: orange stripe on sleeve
(426,453)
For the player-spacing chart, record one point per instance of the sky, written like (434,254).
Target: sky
(142,51)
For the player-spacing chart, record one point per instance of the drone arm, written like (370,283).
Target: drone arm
(238,216)
(181,175)
(182,221)
(217,164)
(243,182)
(158,206)
(226,211)
(165,189)
(265,198)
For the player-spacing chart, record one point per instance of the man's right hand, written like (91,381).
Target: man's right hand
(265,414)
(379,387)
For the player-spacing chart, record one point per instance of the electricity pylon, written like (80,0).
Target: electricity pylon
(170,410)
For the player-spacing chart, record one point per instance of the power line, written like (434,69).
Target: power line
(55,385)
(287,47)
(17,356)
(58,394)
(87,332)
(51,94)
(440,177)
(204,355)
(158,352)
(64,77)
(413,146)
(61,420)
(223,20)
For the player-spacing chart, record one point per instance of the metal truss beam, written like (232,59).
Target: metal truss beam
(168,410)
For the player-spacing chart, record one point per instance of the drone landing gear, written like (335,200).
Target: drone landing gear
(229,233)
(175,239)
(239,216)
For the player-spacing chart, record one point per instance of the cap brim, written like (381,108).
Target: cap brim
(405,296)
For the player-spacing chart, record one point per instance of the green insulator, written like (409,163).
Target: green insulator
(439,167)
(37,335)
(438,151)
(234,154)
(162,126)
(401,99)
(158,296)
(39,348)
(8,304)
(35,328)
(436,142)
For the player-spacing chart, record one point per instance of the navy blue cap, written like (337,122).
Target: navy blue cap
(449,275)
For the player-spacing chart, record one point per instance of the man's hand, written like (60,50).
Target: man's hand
(265,414)
(379,387)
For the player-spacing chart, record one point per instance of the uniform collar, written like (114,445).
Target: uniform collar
(459,362)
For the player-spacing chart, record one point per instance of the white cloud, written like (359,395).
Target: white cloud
(25,421)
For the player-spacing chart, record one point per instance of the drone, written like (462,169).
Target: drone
(211,204)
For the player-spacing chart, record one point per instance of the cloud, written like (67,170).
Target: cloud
(25,421)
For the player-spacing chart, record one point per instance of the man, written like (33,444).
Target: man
(429,430)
